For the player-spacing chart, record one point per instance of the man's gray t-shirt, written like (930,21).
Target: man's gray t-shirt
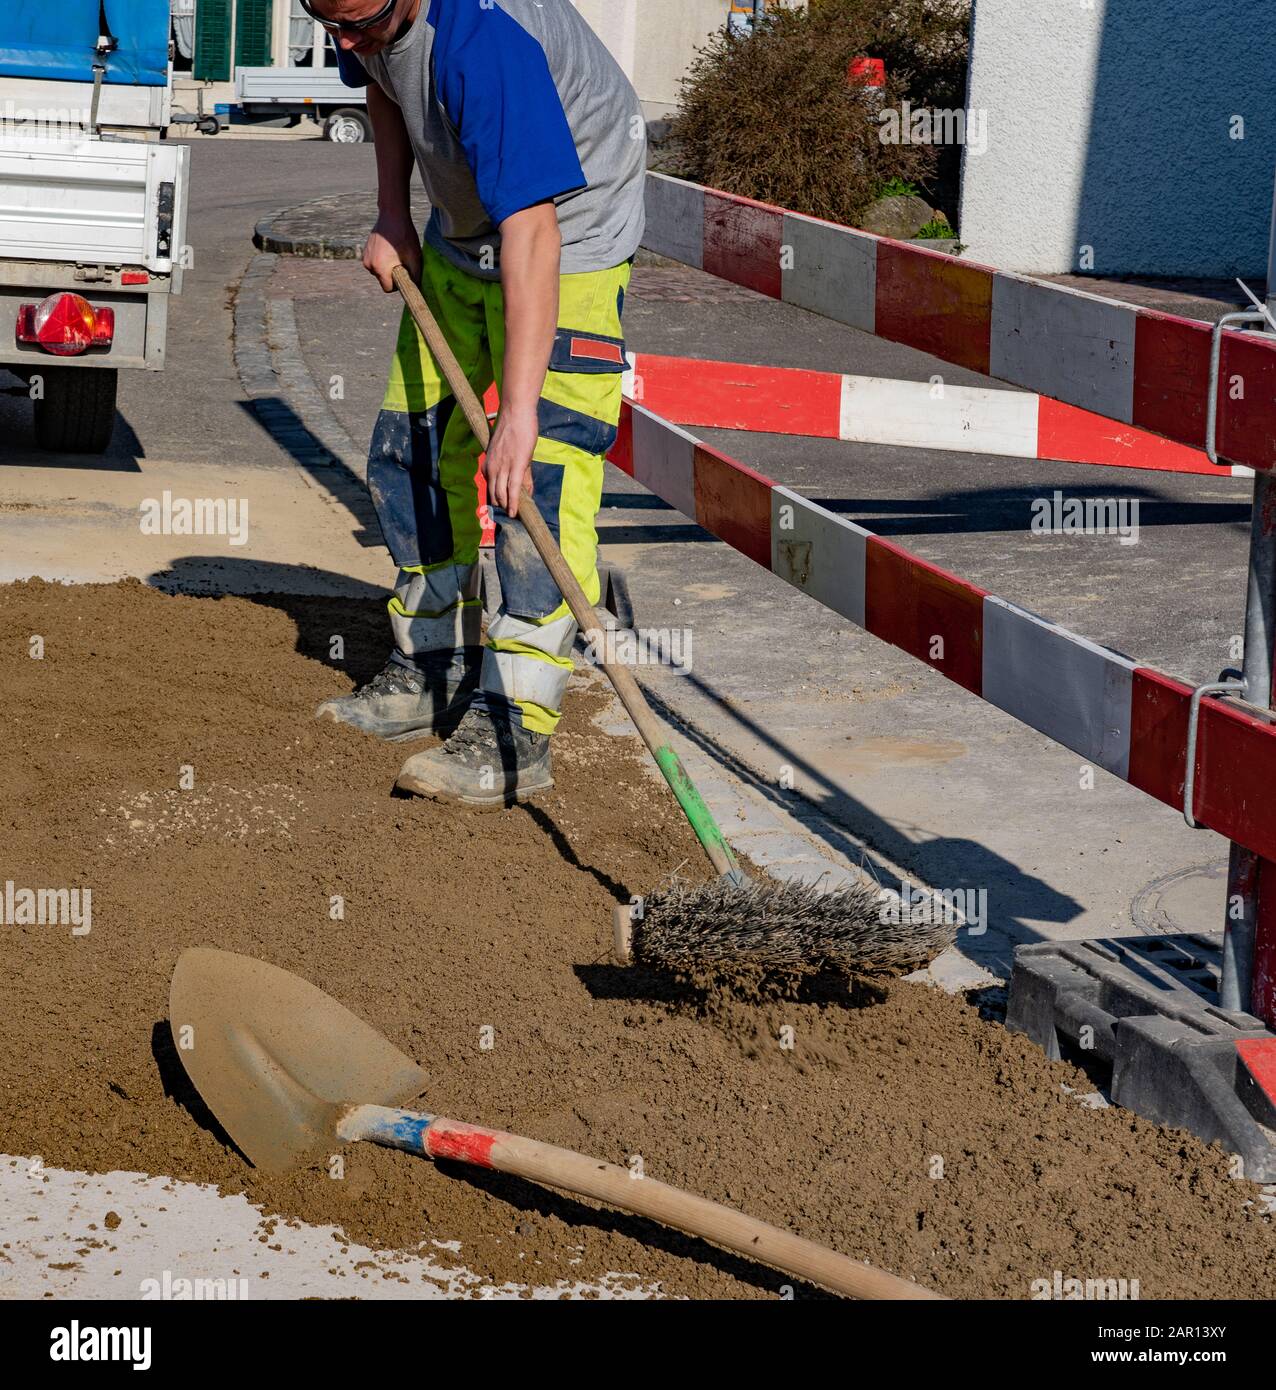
(511,104)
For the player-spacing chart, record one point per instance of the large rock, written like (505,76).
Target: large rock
(901,217)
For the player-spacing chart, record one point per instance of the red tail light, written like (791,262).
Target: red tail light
(66,324)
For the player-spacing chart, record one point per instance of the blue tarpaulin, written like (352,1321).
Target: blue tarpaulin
(59,39)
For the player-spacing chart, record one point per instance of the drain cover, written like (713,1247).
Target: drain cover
(1188,900)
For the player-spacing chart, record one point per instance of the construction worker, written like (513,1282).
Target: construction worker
(532,148)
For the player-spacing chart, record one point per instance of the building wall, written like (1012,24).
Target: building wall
(654,41)
(281,23)
(1114,128)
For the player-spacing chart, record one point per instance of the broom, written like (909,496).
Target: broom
(732,920)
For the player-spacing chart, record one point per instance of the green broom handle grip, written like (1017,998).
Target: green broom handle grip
(699,817)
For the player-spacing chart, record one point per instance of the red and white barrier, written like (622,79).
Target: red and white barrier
(913,414)
(1127,364)
(1112,711)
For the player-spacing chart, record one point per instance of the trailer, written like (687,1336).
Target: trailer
(92,207)
(287,96)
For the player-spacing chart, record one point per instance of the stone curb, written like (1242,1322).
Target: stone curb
(265,238)
(286,400)
(306,229)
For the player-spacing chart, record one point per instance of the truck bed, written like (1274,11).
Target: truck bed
(294,87)
(97,202)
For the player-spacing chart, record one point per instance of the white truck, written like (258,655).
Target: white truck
(92,207)
(286,96)
(310,89)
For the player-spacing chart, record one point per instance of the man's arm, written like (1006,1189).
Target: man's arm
(495,84)
(394,239)
(531,247)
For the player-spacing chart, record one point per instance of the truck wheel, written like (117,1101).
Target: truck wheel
(348,126)
(76,413)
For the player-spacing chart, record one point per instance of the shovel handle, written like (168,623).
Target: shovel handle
(439,1138)
(621,677)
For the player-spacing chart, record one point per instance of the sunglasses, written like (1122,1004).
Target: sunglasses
(351,26)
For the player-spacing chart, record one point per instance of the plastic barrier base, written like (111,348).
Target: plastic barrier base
(1143,1011)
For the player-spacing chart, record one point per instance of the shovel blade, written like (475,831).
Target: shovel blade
(277,1060)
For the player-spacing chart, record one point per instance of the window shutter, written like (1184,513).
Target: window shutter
(212,41)
(252,39)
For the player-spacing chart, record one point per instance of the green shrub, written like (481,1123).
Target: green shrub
(770,116)
(898,188)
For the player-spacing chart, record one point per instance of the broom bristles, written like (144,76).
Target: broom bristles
(784,925)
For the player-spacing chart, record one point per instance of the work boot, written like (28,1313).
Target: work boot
(491,760)
(404,702)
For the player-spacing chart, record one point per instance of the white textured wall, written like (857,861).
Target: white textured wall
(1110,127)
(654,40)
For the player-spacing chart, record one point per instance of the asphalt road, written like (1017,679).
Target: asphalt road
(190,429)
(194,410)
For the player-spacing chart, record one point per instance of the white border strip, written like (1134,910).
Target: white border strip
(675,219)
(664,460)
(919,415)
(1075,692)
(818,552)
(830,270)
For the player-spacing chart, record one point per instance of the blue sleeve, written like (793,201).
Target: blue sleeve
(353,73)
(494,81)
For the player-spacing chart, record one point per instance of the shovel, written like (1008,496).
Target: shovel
(291,1075)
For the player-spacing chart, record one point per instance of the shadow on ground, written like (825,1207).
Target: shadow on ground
(322,604)
(17,428)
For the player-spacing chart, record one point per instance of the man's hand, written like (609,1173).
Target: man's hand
(509,456)
(530,251)
(393,241)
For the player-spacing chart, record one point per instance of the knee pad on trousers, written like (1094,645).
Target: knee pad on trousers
(436,611)
(521,678)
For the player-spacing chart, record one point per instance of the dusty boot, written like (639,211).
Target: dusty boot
(404,702)
(491,760)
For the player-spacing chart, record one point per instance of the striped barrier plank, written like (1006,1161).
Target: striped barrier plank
(1114,712)
(1136,366)
(912,414)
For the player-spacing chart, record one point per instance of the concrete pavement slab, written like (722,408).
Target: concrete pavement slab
(271,529)
(185,1242)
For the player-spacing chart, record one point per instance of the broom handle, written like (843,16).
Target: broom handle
(621,677)
(439,1138)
